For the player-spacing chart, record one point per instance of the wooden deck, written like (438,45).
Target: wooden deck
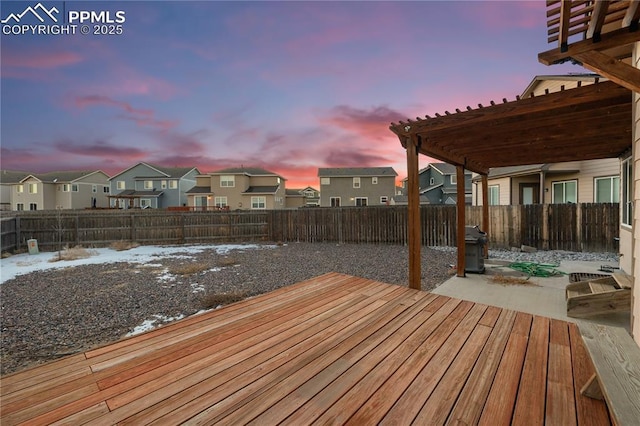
(332,350)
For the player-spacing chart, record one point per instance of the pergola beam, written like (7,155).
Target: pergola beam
(615,70)
(412,145)
(461,220)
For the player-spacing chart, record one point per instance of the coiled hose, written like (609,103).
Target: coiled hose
(533,269)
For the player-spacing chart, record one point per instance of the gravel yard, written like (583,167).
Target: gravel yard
(57,312)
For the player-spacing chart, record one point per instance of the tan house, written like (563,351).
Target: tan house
(244,188)
(8,178)
(60,190)
(305,197)
(356,186)
(590,181)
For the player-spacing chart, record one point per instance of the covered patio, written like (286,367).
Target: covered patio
(335,349)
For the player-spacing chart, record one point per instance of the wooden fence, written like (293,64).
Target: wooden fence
(575,227)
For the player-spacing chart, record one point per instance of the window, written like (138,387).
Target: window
(20,206)
(33,206)
(374,180)
(454,179)
(432,181)
(173,184)
(384,199)
(148,184)
(361,201)
(66,187)
(105,189)
(163,184)
(308,193)
(19,189)
(94,188)
(627,192)
(325,181)
(221,202)
(120,184)
(33,188)
(145,203)
(607,189)
(356,182)
(74,188)
(201,201)
(335,201)
(227,181)
(258,202)
(565,192)
(494,195)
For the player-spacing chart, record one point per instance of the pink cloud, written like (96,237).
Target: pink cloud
(502,15)
(370,124)
(39,60)
(101,149)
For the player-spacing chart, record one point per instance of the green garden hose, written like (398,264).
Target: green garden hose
(533,269)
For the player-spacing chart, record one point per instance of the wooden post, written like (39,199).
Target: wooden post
(485,212)
(413,195)
(460,205)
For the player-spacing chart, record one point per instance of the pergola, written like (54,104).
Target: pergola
(584,123)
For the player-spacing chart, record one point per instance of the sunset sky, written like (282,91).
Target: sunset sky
(286,86)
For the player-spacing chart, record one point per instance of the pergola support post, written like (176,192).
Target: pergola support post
(485,211)
(460,207)
(413,195)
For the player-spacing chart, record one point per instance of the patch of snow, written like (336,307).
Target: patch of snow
(197,288)
(165,276)
(150,324)
(25,263)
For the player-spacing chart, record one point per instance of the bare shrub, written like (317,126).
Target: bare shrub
(123,245)
(73,253)
(189,268)
(213,300)
(501,279)
(228,261)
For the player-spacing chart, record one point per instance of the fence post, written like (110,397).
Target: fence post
(579,242)
(77,229)
(133,227)
(17,232)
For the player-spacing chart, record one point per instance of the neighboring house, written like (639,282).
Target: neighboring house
(149,186)
(403,200)
(310,197)
(8,178)
(356,186)
(592,181)
(58,190)
(438,184)
(244,188)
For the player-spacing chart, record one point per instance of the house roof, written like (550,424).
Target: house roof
(250,171)
(12,176)
(261,189)
(583,123)
(294,192)
(199,190)
(62,176)
(356,171)
(168,172)
(579,78)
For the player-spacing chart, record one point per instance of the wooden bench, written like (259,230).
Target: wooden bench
(616,358)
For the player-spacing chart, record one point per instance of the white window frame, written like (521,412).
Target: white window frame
(493,195)
(615,195)
(325,181)
(259,202)
(74,187)
(626,185)
(374,180)
(33,188)
(356,182)
(66,187)
(432,181)
(227,181)
(384,199)
(163,184)
(359,199)
(94,188)
(20,207)
(106,189)
(454,179)
(332,202)
(173,184)
(121,184)
(221,202)
(145,202)
(564,191)
(20,188)
(33,206)
(148,184)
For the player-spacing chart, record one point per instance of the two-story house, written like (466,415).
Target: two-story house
(9,178)
(305,197)
(59,190)
(238,188)
(149,186)
(356,186)
(439,183)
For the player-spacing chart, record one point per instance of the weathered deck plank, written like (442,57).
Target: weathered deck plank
(332,350)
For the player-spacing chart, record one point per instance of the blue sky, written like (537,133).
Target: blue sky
(287,86)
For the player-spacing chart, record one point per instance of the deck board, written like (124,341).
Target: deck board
(335,349)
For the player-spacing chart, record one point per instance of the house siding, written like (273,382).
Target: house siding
(343,187)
